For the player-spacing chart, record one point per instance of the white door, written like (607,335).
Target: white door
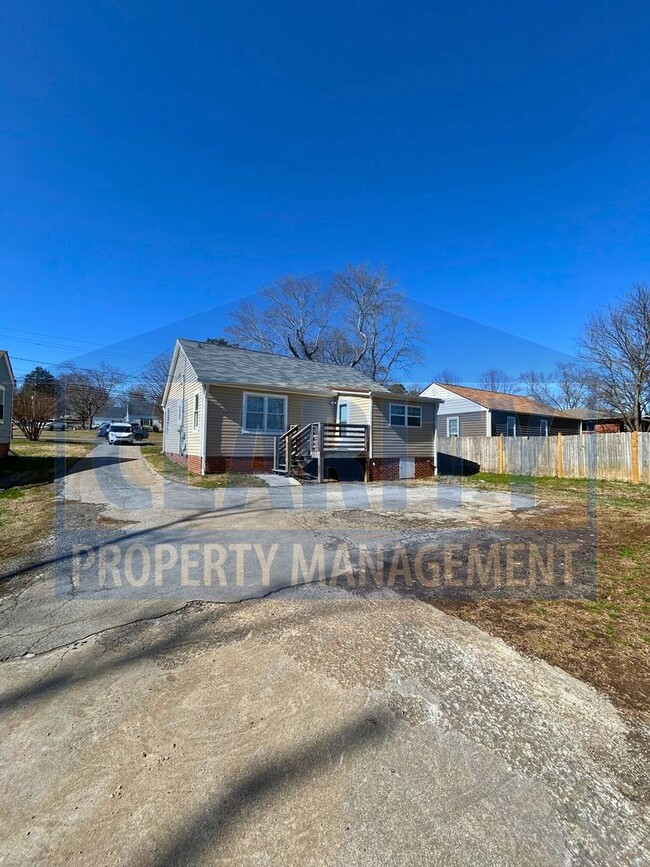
(511,428)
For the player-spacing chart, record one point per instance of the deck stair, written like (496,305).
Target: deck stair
(311,444)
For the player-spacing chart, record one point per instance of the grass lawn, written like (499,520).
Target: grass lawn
(27,491)
(606,641)
(169,470)
(83,436)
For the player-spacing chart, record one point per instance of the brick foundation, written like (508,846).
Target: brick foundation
(387,469)
(223,465)
(4,450)
(247,464)
(380,470)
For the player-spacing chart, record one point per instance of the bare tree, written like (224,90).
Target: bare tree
(448,376)
(617,341)
(569,385)
(291,318)
(378,334)
(373,331)
(538,384)
(495,379)
(32,408)
(154,379)
(87,390)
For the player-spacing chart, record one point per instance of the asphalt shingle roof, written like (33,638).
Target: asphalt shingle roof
(499,400)
(230,366)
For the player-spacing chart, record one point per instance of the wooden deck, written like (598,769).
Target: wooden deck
(317,441)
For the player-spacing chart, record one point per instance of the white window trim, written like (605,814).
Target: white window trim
(196,410)
(339,404)
(455,418)
(405,407)
(264,432)
(3,395)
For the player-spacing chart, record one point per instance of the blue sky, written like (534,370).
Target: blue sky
(163,159)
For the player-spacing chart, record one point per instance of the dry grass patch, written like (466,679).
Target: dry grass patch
(169,470)
(27,491)
(605,642)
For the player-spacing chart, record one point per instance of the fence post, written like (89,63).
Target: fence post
(560,456)
(500,455)
(635,457)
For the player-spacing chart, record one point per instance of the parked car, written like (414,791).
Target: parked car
(54,424)
(120,433)
(139,433)
(102,430)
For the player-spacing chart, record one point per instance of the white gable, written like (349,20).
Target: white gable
(453,403)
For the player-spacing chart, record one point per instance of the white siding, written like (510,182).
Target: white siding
(453,403)
(179,436)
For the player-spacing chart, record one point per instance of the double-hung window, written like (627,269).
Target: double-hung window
(195,413)
(402,415)
(264,413)
(453,426)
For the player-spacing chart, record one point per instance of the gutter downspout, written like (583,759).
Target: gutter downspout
(435,438)
(488,423)
(204,431)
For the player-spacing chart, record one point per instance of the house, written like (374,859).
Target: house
(598,421)
(476,412)
(7,388)
(141,412)
(230,409)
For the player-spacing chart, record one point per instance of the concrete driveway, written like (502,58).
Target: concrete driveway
(129,544)
(316,725)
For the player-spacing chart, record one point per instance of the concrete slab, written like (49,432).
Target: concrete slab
(273,480)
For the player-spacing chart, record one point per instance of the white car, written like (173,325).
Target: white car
(120,434)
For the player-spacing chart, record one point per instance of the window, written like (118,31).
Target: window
(453,426)
(264,413)
(343,412)
(2,404)
(543,427)
(179,413)
(402,415)
(195,415)
(511,426)
(166,411)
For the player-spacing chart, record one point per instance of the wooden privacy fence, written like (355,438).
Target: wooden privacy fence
(623,457)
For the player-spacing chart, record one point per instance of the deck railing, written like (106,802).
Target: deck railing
(298,445)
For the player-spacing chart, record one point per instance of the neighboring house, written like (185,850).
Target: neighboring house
(140,411)
(598,421)
(229,409)
(476,412)
(7,387)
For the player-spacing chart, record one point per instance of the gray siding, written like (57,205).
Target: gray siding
(530,424)
(8,391)
(225,407)
(472,424)
(396,442)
